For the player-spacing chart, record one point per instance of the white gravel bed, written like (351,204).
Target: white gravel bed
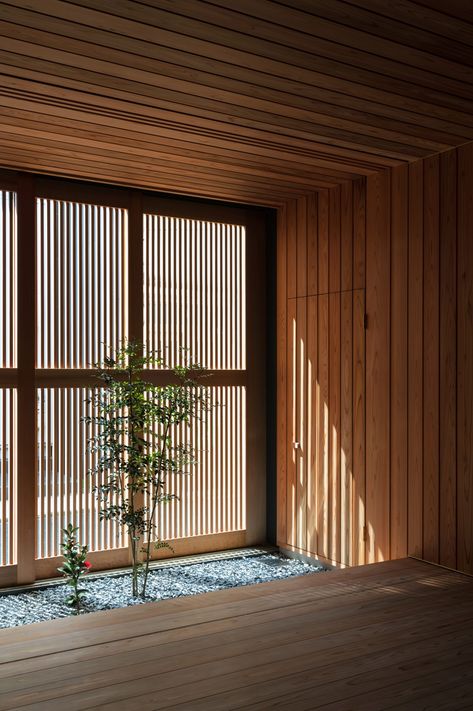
(112,591)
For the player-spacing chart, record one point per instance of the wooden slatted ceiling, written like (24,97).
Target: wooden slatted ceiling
(257,102)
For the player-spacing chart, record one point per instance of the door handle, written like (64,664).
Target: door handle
(297,445)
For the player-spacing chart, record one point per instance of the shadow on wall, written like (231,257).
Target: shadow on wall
(326,488)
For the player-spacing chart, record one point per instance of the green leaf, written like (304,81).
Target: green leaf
(163,544)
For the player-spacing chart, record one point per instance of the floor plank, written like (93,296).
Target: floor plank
(388,635)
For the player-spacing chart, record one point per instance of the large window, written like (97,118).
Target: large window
(108,265)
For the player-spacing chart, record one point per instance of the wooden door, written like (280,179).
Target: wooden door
(325,492)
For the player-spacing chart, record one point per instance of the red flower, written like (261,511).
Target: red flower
(87,564)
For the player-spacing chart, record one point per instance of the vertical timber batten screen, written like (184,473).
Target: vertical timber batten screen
(7,476)
(98,266)
(81,253)
(194,291)
(64,486)
(211,493)
(81,306)
(194,296)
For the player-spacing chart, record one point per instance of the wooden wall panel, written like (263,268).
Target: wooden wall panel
(377,366)
(282,366)
(333,404)
(346,426)
(334,246)
(291,411)
(415,349)
(321,508)
(359,430)
(431,360)
(323,481)
(359,234)
(301,217)
(312,244)
(301,425)
(313,423)
(465,361)
(346,237)
(448,359)
(389,453)
(291,213)
(399,395)
(323,241)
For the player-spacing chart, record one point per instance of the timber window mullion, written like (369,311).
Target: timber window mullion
(8,382)
(26,419)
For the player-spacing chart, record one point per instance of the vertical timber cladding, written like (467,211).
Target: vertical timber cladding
(321,375)
(419,282)
(102,265)
(403,424)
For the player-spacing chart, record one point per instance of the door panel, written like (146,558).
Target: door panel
(326,421)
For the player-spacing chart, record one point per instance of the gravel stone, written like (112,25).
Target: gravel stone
(112,591)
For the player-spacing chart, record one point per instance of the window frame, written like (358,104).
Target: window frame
(26,378)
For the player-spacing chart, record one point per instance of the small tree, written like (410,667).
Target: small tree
(75,566)
(135,423)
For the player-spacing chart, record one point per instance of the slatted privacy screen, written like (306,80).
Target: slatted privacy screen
(84,269)
(64,485)
(7,476)
(8,267)
(212,490)
(81,253)
(194,291)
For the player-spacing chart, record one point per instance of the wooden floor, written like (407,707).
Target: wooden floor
(395,635)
